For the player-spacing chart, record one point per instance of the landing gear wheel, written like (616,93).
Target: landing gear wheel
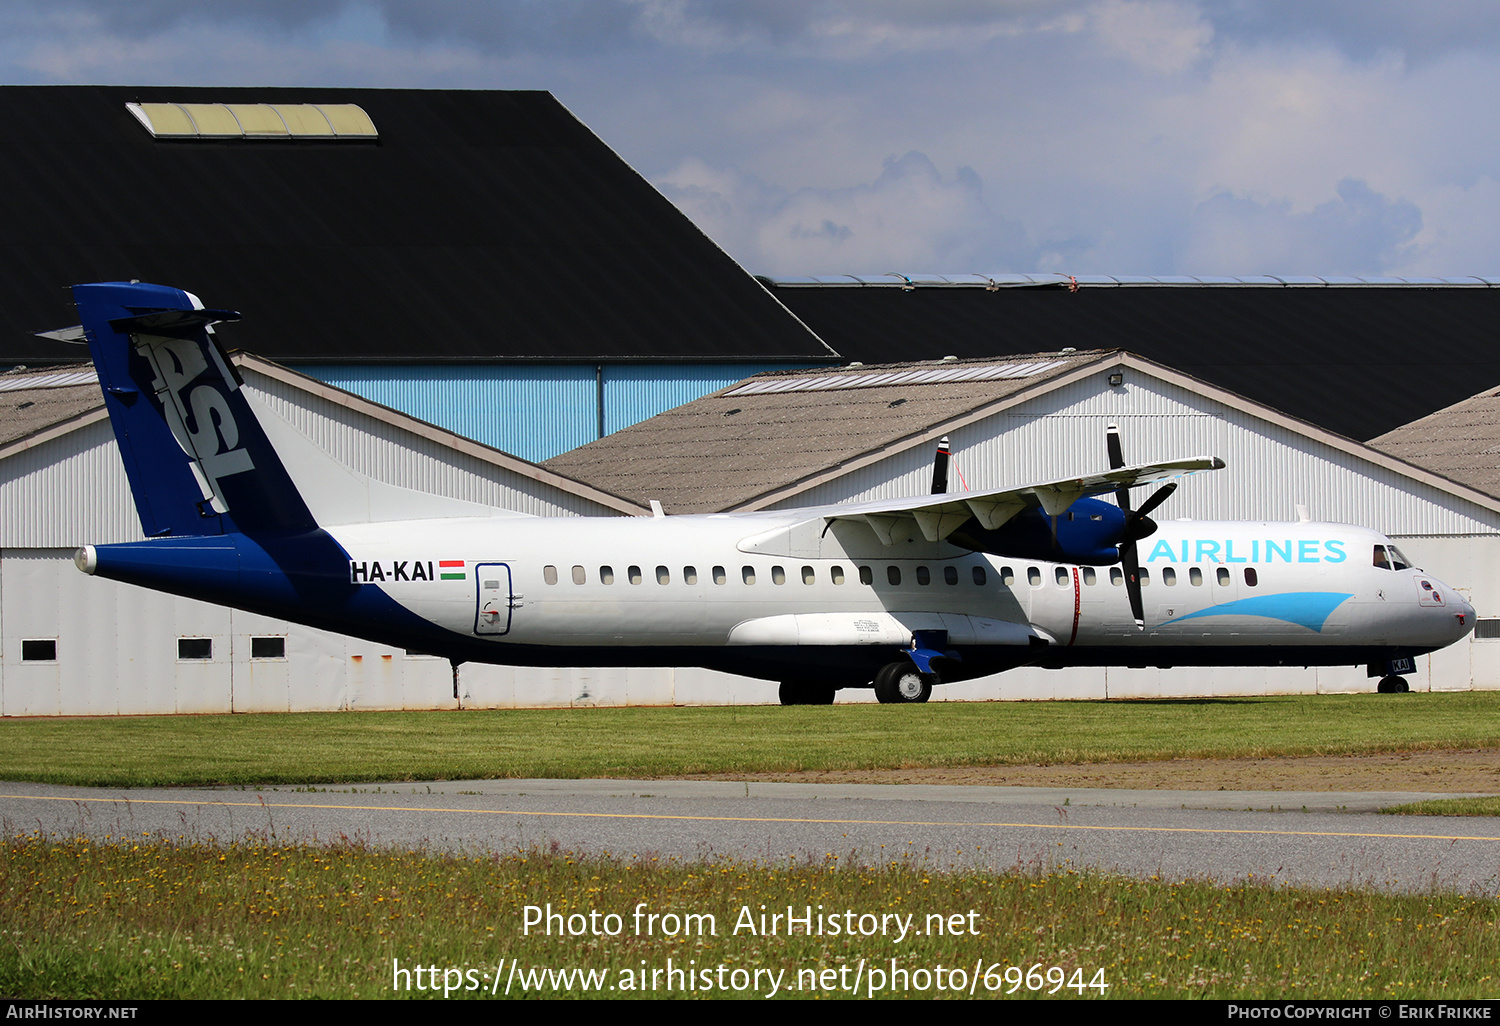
(806,692)
(901,683)
(1393,685)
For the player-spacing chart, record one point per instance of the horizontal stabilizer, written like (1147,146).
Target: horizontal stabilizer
(171,323)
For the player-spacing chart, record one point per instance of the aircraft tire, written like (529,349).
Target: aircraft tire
(1392,685)
(902,684)
(805,692)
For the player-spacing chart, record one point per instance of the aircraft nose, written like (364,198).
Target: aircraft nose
(1459,609)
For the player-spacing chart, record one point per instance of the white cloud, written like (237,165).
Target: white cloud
(1360,232)
(1163,36)
(910,218)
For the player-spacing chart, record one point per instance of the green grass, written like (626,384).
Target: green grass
(130,921)
(349,747)
(1448,807)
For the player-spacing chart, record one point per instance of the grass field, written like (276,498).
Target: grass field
(145,918)
(638,742)
(160,920)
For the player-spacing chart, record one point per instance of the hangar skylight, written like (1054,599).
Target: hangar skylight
(926,376)
(324,121)
(64,379)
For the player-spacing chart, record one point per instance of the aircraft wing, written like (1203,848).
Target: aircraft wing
(938,516)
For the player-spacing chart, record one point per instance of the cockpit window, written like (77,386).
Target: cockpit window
(1388,557)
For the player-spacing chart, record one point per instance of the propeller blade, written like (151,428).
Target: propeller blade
(1161,495)
(940,467)
(1130,562)
(1137,525)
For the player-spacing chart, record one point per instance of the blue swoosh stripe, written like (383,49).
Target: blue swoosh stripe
(1310,609)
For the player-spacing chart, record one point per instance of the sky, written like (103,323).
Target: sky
(1134,137)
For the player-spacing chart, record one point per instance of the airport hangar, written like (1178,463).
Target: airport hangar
(76,645)
(524,275)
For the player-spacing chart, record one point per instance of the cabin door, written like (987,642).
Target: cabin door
(494,600)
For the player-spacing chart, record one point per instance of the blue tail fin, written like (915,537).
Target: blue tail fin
(198,461)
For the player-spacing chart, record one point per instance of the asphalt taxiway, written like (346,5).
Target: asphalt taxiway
(1313,838)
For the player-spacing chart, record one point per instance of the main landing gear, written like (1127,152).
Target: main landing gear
(1393,685)
(903,683)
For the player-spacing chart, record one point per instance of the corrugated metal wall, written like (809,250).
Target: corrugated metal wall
(67,491)
(535,411)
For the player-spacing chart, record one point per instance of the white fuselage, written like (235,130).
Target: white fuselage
(776,579)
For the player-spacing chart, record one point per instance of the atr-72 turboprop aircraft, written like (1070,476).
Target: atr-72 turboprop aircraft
(901,594)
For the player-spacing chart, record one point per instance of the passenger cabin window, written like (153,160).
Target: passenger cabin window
(1145,578)
(979,576)
(1062,575)
(747,574)
(893,574)
(606,575)
(1251,580)
(663,575)
(720,576)
(1169,577)
(1007,576)
(808,577)
(924,577)
(778,575)
(1090,577)
(836,574)
(579,576)
(866,575)
(549,574)
(1034,576)
(1195,577)
(689,575)
(1223,576)
(634,575)
(1116,576)
(950,575)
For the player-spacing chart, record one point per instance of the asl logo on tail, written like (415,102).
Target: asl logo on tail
(197,412)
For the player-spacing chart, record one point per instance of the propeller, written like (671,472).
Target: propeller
(940,467)
(1138,525)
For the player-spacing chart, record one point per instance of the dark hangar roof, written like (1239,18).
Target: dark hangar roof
(1356,358)
(481,225)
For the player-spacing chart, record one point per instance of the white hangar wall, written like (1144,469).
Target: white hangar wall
(1273,464)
